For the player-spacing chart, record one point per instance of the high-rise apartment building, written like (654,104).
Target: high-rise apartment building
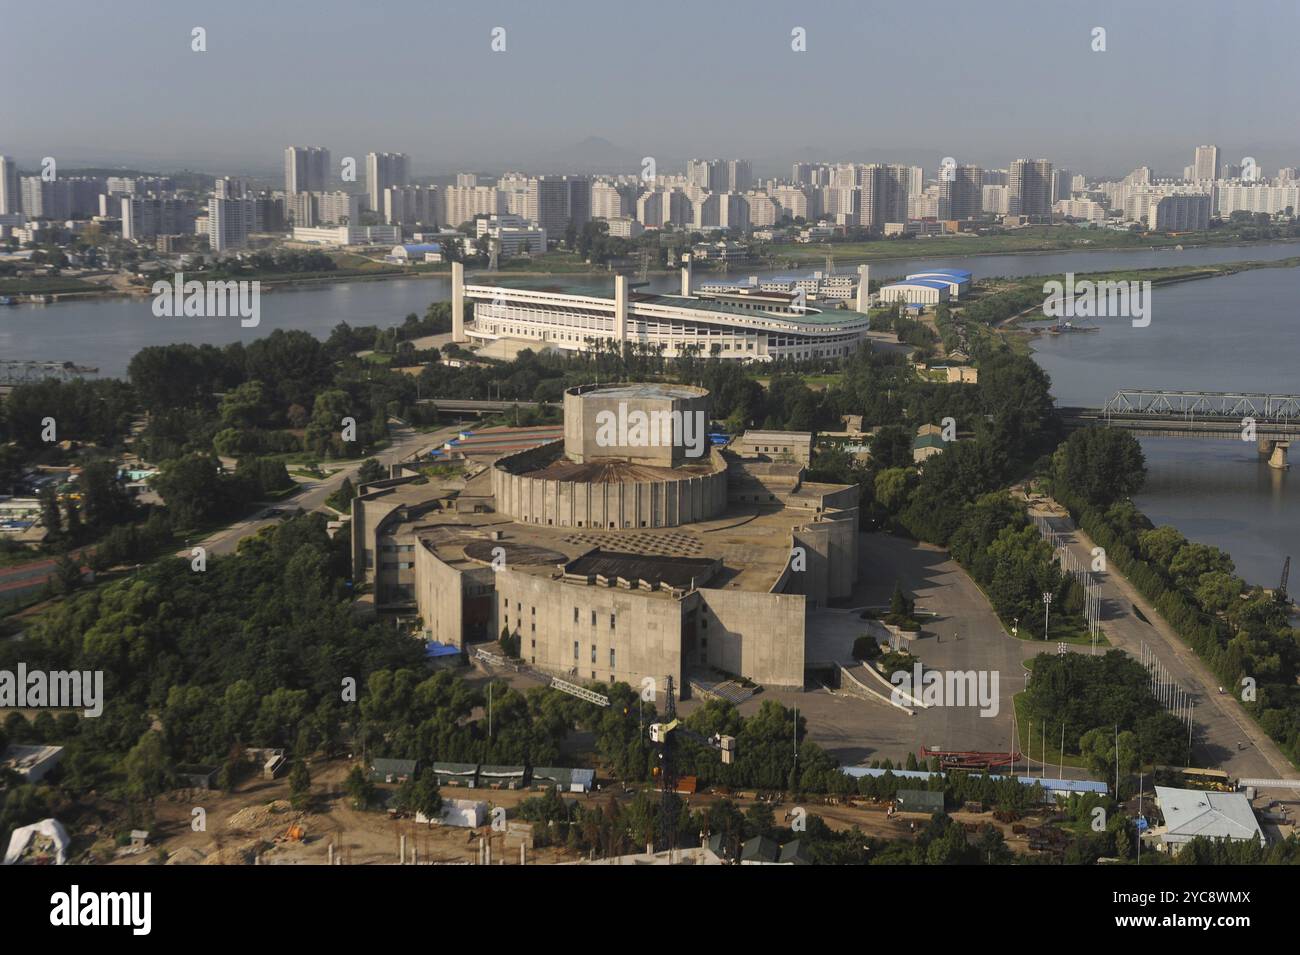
(1029,187)
(1185,213)
(411,205)
(382,171)
(1205,165)
(306,169)
(611,200)
(555,201)
(11,196)
(710,174)
(962,197)
(229,223)
(740,176)
(463,203)
(147,217)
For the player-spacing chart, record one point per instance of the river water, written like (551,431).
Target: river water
(1236,332)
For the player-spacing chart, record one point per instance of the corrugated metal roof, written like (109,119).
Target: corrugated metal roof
(1194,812)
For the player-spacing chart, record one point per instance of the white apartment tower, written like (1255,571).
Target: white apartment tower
(229,222)
(1206,164)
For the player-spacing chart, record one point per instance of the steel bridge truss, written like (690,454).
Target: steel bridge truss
(1201,405)
(22,372)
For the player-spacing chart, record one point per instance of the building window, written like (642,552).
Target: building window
(593,618)
(593,653)
(575,614)
(611,622)
(611,658)
(575,649)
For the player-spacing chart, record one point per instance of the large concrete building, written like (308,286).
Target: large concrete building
(740,324)
(614,552)
(1189,213)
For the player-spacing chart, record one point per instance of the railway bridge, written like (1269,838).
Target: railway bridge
(1270,421)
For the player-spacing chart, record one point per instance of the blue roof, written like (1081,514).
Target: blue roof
(859,771)
(939,276)
(927,283)
(423,247)
(435,649)
(1055,785)
(958,273)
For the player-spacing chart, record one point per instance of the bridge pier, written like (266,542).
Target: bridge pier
(1274,450)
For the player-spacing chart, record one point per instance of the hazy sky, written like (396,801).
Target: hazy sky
(117,83)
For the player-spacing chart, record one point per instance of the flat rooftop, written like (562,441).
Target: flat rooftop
(613,471)
(751,540)
(677,572)
(642,390)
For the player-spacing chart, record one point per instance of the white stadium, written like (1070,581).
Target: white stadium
(743,324)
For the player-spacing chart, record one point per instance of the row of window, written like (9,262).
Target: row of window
(532,612)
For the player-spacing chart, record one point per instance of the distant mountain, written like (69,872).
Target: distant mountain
(593,154)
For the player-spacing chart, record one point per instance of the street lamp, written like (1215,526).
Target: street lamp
(1015,626)
(1047,611)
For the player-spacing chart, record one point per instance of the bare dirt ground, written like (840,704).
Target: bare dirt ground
(249,826)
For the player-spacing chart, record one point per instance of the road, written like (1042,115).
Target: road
(1225,736)
(964,635)
(406,442)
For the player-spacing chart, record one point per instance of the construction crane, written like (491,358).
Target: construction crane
(664,734)
(1281,588)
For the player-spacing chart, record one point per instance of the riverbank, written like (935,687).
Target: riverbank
(845,254)
(1229,737)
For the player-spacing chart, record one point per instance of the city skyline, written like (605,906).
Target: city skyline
(533,105)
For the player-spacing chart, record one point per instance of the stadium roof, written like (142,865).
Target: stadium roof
(926,283)
(955,273)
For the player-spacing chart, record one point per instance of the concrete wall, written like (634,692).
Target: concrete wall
(369,511)
(585,405)
(760,636)
(439,596)
(830,547)
(646,637)
(669,503)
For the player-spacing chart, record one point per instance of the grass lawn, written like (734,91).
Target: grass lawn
(45,284)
